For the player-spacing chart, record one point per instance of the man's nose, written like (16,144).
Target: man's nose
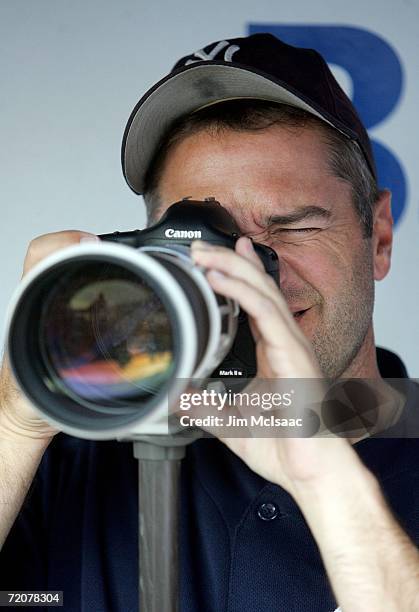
(289,275)
(286,271)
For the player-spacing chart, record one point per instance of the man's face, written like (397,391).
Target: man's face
(278,186)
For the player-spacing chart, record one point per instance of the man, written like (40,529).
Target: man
(277,524)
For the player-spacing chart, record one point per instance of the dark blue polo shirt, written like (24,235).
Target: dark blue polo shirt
(77,531)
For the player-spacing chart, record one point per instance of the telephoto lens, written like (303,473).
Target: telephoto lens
(101,335)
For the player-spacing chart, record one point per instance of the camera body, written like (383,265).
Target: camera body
(207,220)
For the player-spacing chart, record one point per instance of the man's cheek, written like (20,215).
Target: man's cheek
(309,268)
(331,268)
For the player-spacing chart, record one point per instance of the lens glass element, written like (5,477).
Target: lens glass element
(105,335)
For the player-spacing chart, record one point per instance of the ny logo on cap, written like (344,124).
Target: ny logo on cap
(202,55)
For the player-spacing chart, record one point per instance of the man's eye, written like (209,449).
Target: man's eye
(294,234)
(298,229)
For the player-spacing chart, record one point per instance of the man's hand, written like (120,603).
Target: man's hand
(282,352)
(18,419)
(282,349)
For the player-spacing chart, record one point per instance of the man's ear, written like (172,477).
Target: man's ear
(382,235)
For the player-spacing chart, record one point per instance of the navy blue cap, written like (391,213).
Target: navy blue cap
(256,67)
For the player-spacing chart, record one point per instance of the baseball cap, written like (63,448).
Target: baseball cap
(260,67)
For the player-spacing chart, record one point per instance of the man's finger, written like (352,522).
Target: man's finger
(233,264)
(244,247)
(45,245)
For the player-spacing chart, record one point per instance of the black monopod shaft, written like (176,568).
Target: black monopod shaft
(159,501)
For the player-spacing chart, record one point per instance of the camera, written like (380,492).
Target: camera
(101,335)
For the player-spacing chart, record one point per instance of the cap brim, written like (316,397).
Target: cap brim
(189,89)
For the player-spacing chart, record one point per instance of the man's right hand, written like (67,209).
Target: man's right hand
(18,419)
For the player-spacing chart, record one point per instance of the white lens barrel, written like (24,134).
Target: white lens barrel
(193,358)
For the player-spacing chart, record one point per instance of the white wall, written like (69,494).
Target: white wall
(72,71)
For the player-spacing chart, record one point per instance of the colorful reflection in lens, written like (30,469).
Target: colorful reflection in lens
(107,335)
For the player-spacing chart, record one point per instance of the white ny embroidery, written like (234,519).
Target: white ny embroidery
(201,55)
